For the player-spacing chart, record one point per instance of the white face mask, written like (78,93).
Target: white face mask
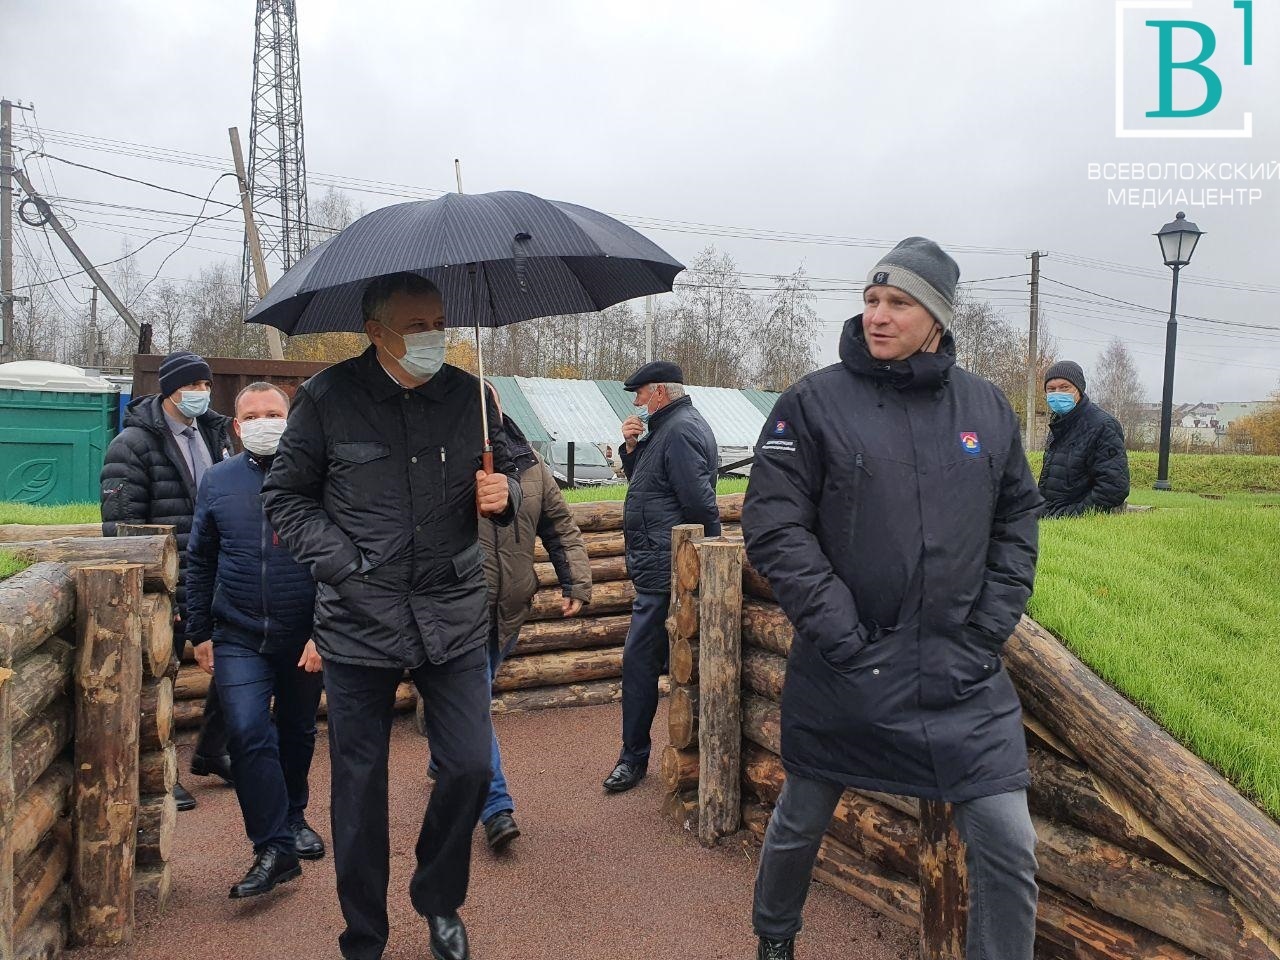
(423,352)
(262,436)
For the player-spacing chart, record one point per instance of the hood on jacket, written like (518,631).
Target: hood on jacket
(521,452)
(922,371)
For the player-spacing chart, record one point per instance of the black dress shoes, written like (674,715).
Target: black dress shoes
(270,868)
(185,800)
(220,767)
(776,949)
(625,776)
(306,842)
(448,938)
(499,830)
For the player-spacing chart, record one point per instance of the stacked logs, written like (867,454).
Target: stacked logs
(1143,850)
(564,663)
(680,757)
(37,608)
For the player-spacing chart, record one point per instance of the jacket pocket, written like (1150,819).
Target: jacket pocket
(361,451)
(468,563)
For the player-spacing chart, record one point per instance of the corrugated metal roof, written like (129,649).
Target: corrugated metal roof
(572,409)
(762,399)
(618,396)
(734,419)
(516,406)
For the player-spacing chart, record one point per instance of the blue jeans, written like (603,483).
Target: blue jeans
(498,799)
(271,761)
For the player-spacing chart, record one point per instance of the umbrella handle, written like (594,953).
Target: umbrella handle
(486,464)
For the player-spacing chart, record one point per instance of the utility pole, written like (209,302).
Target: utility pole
(51,218)
(95,338)
(6,228)
(648,329)
(1033,352)
(274,346)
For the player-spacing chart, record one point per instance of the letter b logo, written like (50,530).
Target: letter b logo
(1213,85)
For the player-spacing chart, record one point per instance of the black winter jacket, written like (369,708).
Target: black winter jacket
(145,478)
(1085,466)
(894,514)
(242,585)
(673,480)
(373,488)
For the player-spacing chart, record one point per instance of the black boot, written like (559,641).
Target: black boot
(625,776)
(270,867)
(448,938)
(184,798)
(306,842)
(499,830)
(776,949)
(218,766)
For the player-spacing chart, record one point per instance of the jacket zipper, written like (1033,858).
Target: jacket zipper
(266,617)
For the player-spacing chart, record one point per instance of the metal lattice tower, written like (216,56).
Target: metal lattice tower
(277,165)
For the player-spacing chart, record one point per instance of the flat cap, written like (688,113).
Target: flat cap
(659,371)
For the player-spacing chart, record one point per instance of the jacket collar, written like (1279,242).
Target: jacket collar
(923,371)
(1061,424)
(382,386)
(656,419)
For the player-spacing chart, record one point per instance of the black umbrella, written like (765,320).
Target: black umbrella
(497,258)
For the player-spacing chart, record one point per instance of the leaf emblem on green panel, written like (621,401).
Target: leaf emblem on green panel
(31,482)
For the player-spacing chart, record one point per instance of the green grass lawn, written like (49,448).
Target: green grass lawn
(9,565)
(1200,473)
(37,515)
(1179,608)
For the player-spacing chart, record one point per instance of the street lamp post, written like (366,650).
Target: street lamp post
(1178,241)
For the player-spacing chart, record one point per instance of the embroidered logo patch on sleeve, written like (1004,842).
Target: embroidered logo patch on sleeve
(970,444)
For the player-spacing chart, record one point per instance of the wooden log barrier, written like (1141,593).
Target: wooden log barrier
(158,556)
(603,570)
(34,605)
(614,597)
(46,938)
(189,713)
(156,719)
(11,533)
(40,743)
(108,683)
(7,794)
(682,717)
(684,658)
(38,680)
(578,633)
(681,803)
(154,881)
(764,625)
(606,515)
(157,634)
(158,771)
(679,769)
(944,886)
(37,878)
(553,669)
(763,672)
(720,688)
(41,807)
(157,828)
(606,544)
(592,693)
(1183,796)
(754,584)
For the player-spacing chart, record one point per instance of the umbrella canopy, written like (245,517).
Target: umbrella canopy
(497,258)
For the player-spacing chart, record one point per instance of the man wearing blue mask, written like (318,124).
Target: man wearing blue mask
(151,472)
(670,457)
(1085,466)
(377,487)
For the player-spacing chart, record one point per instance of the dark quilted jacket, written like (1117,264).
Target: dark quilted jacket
(242,585)
(1085,466)
(145,478)
(673,480)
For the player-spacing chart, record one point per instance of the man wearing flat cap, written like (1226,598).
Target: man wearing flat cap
(670,457)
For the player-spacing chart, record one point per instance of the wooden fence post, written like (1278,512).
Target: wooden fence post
(680,756)
(720,688)
(108,686)
(944,888)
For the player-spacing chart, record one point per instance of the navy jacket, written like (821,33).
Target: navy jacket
(673,481)
(145,478)
(894,514)
(242,585)
(1085,466)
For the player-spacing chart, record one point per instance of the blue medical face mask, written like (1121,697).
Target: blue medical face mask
(194,403)
(644,414)
(1060,403)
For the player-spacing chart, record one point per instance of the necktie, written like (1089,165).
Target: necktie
(194,444)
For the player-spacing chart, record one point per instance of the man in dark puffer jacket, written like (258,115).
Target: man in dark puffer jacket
(1085,467)
(250,608)
(151,472)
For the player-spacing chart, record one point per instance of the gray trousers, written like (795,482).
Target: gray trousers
(1001,862)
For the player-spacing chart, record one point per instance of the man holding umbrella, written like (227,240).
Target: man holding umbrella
(376,487)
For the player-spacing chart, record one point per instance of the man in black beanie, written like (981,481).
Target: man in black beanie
(1085,466)
(894,514)
(151,473)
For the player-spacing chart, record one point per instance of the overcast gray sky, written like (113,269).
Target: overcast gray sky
(973,124)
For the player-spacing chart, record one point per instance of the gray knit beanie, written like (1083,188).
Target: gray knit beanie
(180,368)
(923,269)
(1067,370)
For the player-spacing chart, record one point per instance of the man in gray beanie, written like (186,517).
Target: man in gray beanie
(151,472)
(1085,467)
(894,514)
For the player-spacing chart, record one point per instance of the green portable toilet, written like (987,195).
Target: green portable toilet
(55,424)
